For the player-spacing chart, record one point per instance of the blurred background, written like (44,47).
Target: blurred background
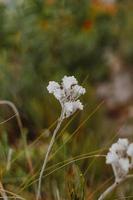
(43,40)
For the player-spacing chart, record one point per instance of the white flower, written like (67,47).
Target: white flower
(120,146)
(119,157)
(53,86)
(67,93)
(78,105)
(111,158)
(125,165)
(71,107)
(115,147)
(68,82)
(79,90)
(123,142)
(68,108)
(130,150)
(58,93)
(130,153)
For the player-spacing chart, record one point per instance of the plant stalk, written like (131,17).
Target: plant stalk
(38,197)
(3,193)
(113,186)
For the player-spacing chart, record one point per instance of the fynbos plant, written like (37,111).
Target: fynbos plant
(120,157)
(67,93)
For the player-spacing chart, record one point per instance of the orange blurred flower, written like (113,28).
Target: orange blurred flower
(87,25)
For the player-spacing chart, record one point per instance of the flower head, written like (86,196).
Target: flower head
(68,82)
(120,156)
(53,86)
(67,93)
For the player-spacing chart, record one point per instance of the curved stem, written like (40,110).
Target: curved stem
(3,193)
(112,187)
(47,154)
(15,110)
(109,190)
(20,125)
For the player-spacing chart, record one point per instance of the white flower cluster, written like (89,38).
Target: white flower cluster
(120,156)
(67,93)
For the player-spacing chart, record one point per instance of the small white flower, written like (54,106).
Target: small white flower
(130,150)
(111,158)
(68,108)
(120,156)
(130,153)
(115,147)
(78,105)
(123,142)
(68,82)
(71,107)
(79,89)
(67,93)
(53,86)
(125,165)
(58,93)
